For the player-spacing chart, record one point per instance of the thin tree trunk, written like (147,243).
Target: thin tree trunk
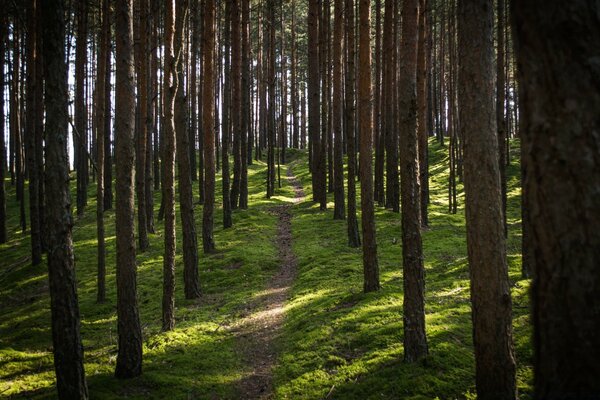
(423,112)
(378,136)
(365,103)
(350,110)
(129,358)
(3,38)
(208,126)
(500,99)
(245,131)
(339,209)
(80,137)
(100,126)
(31,134)
(490,291)
(313,96)
(236,101)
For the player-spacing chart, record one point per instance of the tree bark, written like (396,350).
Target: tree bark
(246,133)
(557,44)
(490,291)
(500,99)
(415,340)
(169,89)
(66,339)
(350,112)
(423,103)
(80,134)
(3,38)
(236,100)
(313,96)
(208,126)
(365,103)
(129,358)
(339,210)
(100,133)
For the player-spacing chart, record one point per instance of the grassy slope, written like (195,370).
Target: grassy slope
(336,341)
(340,343)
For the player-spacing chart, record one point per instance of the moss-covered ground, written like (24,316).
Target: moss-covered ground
(336,342)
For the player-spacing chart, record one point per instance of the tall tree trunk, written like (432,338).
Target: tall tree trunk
(100,127)
(186,196)
(559,96)
(150,118)
(226,121)
(423,112)
(500,99)
(129,358)
(294,80)
(415,340)
(80,142)
(339,209)
(31,132)
(350,110)
(208,126)
(378,135)
(365,107)
(245,131)
(313,96)
(141,54)
(16,151)
(108,163)
(490,291)
(236,100)
(64,307)
(3,38)
(271,79)
(392,180)
(169,89)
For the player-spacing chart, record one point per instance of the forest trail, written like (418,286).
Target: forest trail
(257,331)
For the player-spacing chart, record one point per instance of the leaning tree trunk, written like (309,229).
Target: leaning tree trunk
(490,291)
(68,349)
(129,358)
(557,47)
(365,107)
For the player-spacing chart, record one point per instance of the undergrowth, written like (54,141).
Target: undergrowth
(336,343)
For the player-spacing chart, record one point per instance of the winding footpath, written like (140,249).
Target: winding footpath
(256,333)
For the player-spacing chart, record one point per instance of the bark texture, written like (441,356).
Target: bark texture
(68,349)
(129,359)
(490,292)
(557,47)
(415,341)
(365,104)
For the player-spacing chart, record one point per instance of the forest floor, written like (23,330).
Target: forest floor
(282,312)
(258,332)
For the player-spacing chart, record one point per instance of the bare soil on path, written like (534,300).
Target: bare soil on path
(257,331)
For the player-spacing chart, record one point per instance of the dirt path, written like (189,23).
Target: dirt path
(256,333)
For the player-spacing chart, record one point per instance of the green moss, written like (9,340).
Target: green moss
(336,342)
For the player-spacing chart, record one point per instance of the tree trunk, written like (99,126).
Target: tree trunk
(339,209)
(245,131)
(378,135)
(559,96)
(236,100)
(68,349)
(3,38)
(31,132)
(490,291)
(129,358)
(142,114)
(365,107)
(80,134)
(313,96)
(415,340)
(226,121)
(100,133)
(423,112)
(208,126)
(350,110)
(186,196)
(169,89)
(500,99)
